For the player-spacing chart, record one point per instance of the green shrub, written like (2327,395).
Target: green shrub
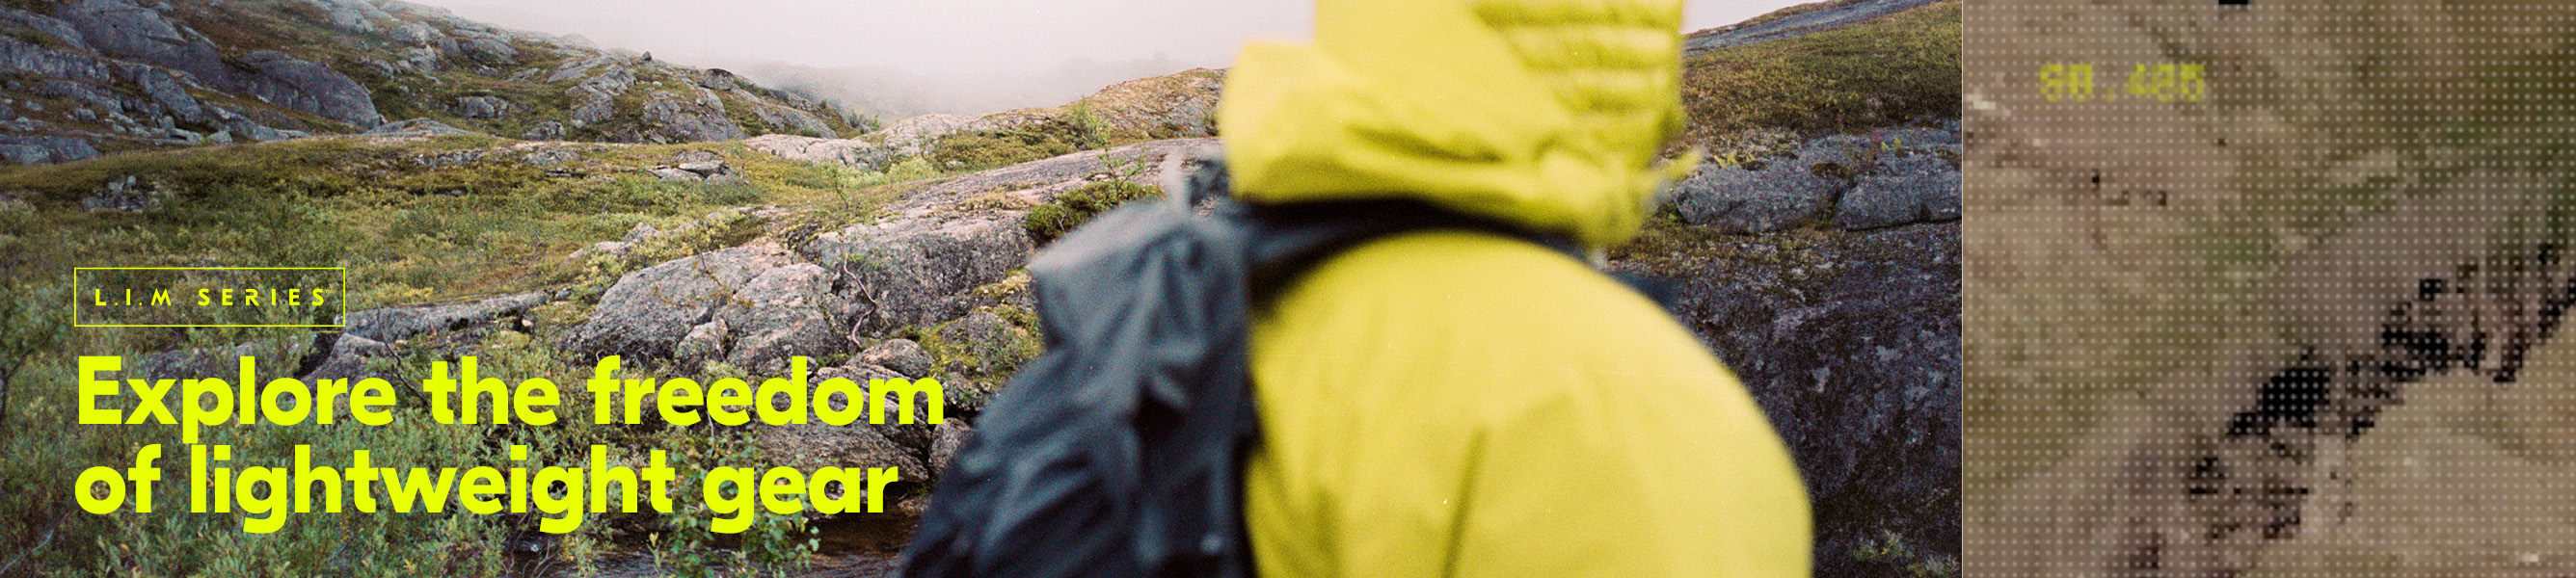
(1075,207)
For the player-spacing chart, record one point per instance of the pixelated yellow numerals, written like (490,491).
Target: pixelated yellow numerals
(2060,82)
(2064,82)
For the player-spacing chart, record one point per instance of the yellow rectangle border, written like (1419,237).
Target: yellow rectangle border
(344,292)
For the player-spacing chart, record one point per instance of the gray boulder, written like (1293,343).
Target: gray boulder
(859,444)
(1782,194)
(919,270)
(647,311)
(422,59)
(718,79)
(791,119)
(348,357)
(421,34)
(1910,189)
(952,437)
(97,98)
(912,136)
(120,28)
(55,30)
(855,152)
(784,312)
(675,174)
(352,15)
(550,157)
(273,357)
(901,355)
(422,127)
(169,91)
(671,118)
(483,107)
(594,100)
(390,324)
(18,54)
(128,194)
(1852,350)
(295,83)
(591,108)
(704,343)
(491,51)
(706,168)
(39,150)
(548,130)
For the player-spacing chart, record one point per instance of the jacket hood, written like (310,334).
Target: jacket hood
(1545,113)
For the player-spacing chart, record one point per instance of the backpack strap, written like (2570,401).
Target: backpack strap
(1290,239)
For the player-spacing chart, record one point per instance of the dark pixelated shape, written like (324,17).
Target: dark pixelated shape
(2428,289)
(2291,396)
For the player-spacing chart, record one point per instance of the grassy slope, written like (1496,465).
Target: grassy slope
(408,234)
(1750,101)
(1856,77)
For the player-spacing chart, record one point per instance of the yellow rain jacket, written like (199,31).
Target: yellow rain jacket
(1460,404)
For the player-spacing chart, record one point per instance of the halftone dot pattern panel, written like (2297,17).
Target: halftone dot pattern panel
(2269,288)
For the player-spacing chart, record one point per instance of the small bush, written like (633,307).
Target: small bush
(1075,207)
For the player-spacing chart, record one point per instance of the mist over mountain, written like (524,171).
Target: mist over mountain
(892,93)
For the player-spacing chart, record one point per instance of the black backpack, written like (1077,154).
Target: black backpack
(1117,451)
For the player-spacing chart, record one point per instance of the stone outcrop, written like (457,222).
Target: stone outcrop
(124,74)
(646,313)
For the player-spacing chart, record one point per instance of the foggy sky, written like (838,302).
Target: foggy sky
(1075,43)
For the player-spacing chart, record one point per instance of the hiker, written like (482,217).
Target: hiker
(1462,404)
(1368,342)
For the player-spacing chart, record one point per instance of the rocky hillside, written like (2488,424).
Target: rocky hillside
(82,77)
(1181,105)
(1796,21)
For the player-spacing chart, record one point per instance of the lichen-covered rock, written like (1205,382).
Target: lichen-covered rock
(790,119)
(704,343)
(391,324)
(858,153)
(548,130)
(39,150)
(952,436)
(784,312)
(348,357)
(421,127)
(671,118)
(901,355)
(1783,193)
(1851,347)
(919,271)
(301,85)
(644,315)
(128,194)
(483,107)
(1908,188)
(859,444)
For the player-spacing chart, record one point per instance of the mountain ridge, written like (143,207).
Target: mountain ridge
(85,77)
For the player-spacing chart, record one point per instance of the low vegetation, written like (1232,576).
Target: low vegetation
(420,220)
(1049,221)
(1857,77)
